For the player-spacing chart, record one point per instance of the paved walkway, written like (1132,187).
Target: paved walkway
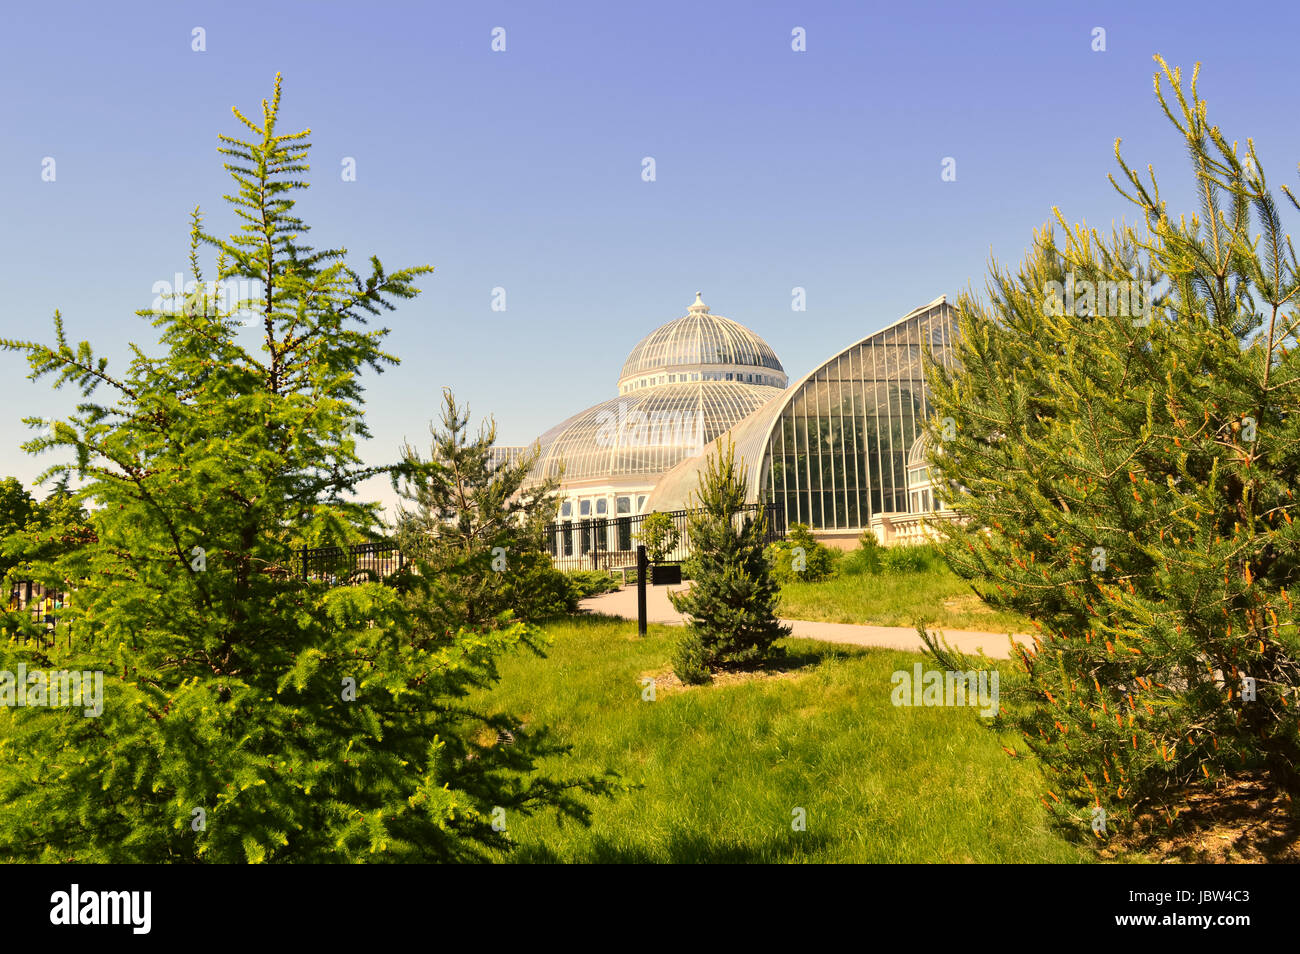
(659,610)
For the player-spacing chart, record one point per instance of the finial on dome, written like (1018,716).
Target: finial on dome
(699,303)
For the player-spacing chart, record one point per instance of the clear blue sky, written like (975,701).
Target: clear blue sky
(522,169)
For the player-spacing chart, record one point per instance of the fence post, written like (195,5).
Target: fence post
(304,562)
(642,565)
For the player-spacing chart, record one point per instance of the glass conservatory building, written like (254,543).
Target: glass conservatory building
(839,450)
(684,385)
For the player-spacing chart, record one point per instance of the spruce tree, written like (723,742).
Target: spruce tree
(247,714)
(1129,475)
(732,601)
(475,526)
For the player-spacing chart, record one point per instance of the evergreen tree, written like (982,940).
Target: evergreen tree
(1130,477)
(55,526)
(733,597)
(474,530)
(17,508)
(247,714)
(32,535)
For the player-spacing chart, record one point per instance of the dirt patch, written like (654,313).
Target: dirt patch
(666,681)
(969,604)
(1244,821)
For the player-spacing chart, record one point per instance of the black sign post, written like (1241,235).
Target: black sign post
(642,571)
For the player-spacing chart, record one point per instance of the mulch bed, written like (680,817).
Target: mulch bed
(666,681)
(1243,821)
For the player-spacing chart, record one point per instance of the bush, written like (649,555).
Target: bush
(690,659)
(911,558)
(535,590)
(659,536)
(800,557)
(585,583)
(866,559)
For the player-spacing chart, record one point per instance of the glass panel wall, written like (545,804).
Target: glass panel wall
(838,454)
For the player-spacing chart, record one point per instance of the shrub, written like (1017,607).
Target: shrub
(535,590)
(866,559)
(910,558)
(801,557)
(585,583)
(690,659)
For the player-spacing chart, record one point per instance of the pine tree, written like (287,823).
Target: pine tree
(475,529)
(1130,478)
(247,713)
(733,596)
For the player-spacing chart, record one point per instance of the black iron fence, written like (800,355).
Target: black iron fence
(43,606)
(603,543)
(334,565)
(358,563)
(607,543)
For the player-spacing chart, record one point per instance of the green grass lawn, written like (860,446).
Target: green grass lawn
(898,598)
(718,770)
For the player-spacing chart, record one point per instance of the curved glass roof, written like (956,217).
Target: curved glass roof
(682,386)
(646,433)
(700,341)
(919,455)
(869,396)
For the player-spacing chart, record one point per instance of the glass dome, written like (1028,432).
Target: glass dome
(701,346)
(648,433)
(683,385)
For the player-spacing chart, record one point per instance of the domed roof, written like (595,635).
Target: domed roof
(700,342)
(646,433)
(919,455)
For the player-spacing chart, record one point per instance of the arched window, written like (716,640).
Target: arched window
(921,495)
